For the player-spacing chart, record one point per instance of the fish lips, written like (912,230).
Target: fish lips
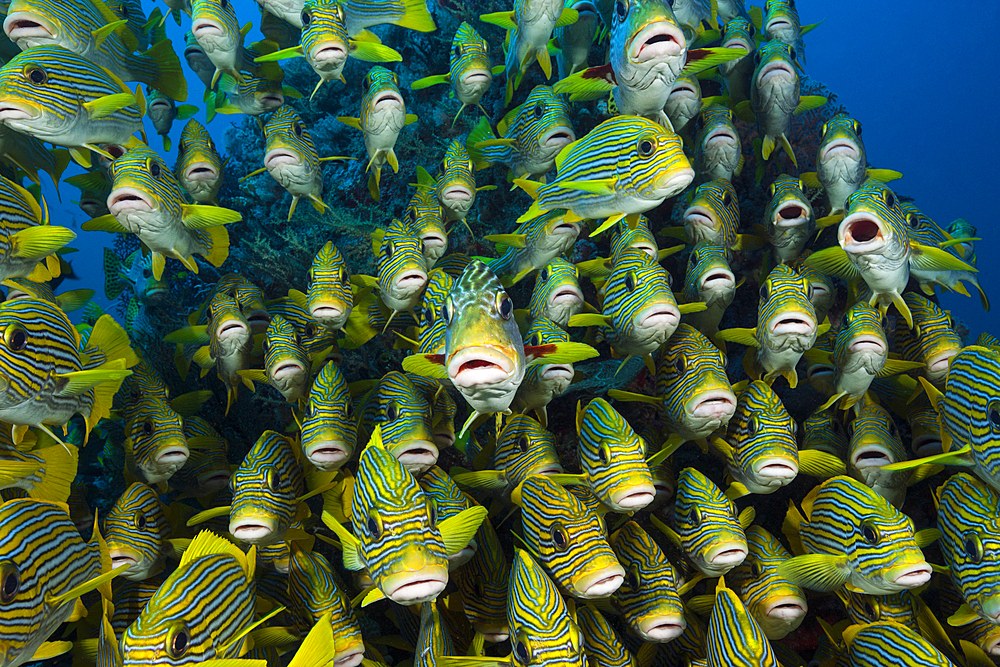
(661,627)
(938,364)
(793,323)
(557,137)
(713,405)
(417,455)
(776,471)
(479,365)
(839,148)
(415,586)
(126,199)
(328,454)
(387,99)
(280,157)
(656,41)
(633,497)
(663,316)
(201,171)
(566,295)
(213,481)
(774,71)
(600,583)
(253,529)
(232,330)
(791,214)
(329,53)
(862,233)
(30,28)
(121,557)
(911,575)
(702,222)
(329,315)
(287,369)
(17,110)
(724,557)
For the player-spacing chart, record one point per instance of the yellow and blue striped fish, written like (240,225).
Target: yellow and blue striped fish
(933,341)
(430,329)
(200,612)
(267,488)
(776,604)
(574,41)
(138,533)
(27,241)
(443,409)
(958,240)
(287,367)
(902,607)
(706,525)
(424,218)
(410,14)
(786,327)
(217,30)
(568,541)
(823,431)
(823,293)
(888,643)
(329,295)
(875,444)
(155,446)
(713,215)
(207,469)
(601,643)
(625,166)
(789,221)
(329,432)
(738,33)
(318,343)
(557,295)
(256,91)
(531,135)
(396,533)
(45,376)
(612,459)
(195,56)
(543,382)
(230,345)
(710,280)
(775,96)
(470,71)
(482,583)
(129,598)
(456,186)
(449,501)
(69,101)
(648,599)
(199,168)
(734,638)
(718,151)
(403,414)
(402,270)
(850,535)
(434,640)
(536,243)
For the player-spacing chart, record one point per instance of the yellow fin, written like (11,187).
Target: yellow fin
(815,463)
(41,240)
(457,530)
(818,572)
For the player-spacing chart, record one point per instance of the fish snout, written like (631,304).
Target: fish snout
(634,497)
(479,366)
(600,582)
(726,556)
(794,324)
(779,470)
(253,529)
(417,456)
(911,576)
(328,454)
(657,41)
(719,405)
(421,580)
(125,200)
(787,609)
(662,627)
(861,233)
(938,364)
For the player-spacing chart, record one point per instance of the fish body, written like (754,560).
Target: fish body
(734,637)
(718,151)
(287,366)
(162,112)
(450,501)
(134,273)
(207,469)
(155,446)
(217,30)
(456,187)
(600,641)
(528,38)
(875,643)
(543,382)
(789,221)
(776,604)
(531,135)
(774,95)
(403,414)
(290,157)
(470,71)
(841,162)
(198,60)
(927,232)
(424,218)
(230,342)
(199,169)
(714,214)
(544,239)
(683,105)
(781,24)
(860,353)
(137,532)
(329,432)
(266,488)
(709,280)
(576,39)
(199,610)
(253,93)
(411,14)
(402,270)
(557,295)
(483,584)
(933,341)
(568,540)
(329,297)
(739,34)
(27,240)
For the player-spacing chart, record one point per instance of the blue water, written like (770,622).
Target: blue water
(916,74)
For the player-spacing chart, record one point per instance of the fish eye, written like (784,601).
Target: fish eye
(154,168)
(457,50)
(411,216)
(343,276)
(271,480)
(348,409)
(297,129)
(310,330)
(791,52)
(305,17)
(889,199)
(763,292)
(994,413)
(646,147)
(869,531)
(630,281)
(224,3)
(36,75)
(538,110)
(147,427)
(505,305)
(857,128)
(605,453)
(973,547)
(679,365)
(480,588)
(432,511)
(522,651)
(559,537)
(756,57)
(835,425)
(621,10)
(695,517)
(392,412)
(752,427)
(310,410)
(146,273)
(446,311)
(914,220)
(693,258)
(123,10)
(751,29)
(15,337)
(544,274)
(522,444)
(10,581)
(139,520)
(871,611)
(755,569)
(374,525)
(632,578)
(727,199)
(388,250)
(177,641)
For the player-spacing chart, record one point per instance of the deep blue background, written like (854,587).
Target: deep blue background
(919,75)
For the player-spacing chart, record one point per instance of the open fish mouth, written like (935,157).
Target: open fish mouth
(125,200)
(326,312)
(602,583)
(867,345)
(252,529)
(727,555)
(272,100)
(794,324)
(493,634)
(683,89)
(433,241)
(663,316)
(327,453)
(657,40)
(119,558)
(158,104)
(174,455)
(927,444)
(476,365)
(287,369)
(635,497)
(776,69)
(415,587)
(910,576)
(329,52)
(791,214)
(558,372)
(559,136)
(777,469)
(411,282)
(10,110)
(278,157)
(213,481)
(417,456)
(714,405)
(840,148)
(861,233)
(717,280)
(25,25)
(387,99)
(720,135)
(232,329)
(871,456)
(788,609)
(567,294)
(258,319)
(201,171)
(662,628)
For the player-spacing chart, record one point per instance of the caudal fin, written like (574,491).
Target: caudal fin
(169,78)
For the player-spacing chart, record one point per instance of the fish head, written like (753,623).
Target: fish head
(970,411)
(265,487)
(776,74)
(402,270)
(456,188)
(824,431)
(470,65)
(739,34)
(637,236)
(227,326)
(484,349)
(446,500)
(841,144)
(523,449)
(925,428)
(646,34)
(404,416)
(542,631)
(155,438)
(543,123)
(650,159)
(289,145)
(425,219)
(874,224)
(439,285)
(709,277)
(383,92)
(160,109)
(718,144)
(142,185)
(762,436)
(861,338)
(789,211)
(781,21)
(684,101)
(823,293)
(197,59)
(285,359)
(215,26)
(613,458)
(557,294)
(329,432)
(639,299)
(648,598)
(713,214)
(569,541)
(786,318)
(691,379)
(708,525)
(206,472)
(329,295)
(144,285)
(734,635)
(198,163)
(250,299)
(136,530)
(933,339)
(875,443)
(776,604)
(36,342)
(553,377)
(324,37)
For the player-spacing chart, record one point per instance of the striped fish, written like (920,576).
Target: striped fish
(470,71)
(318,597)
(842,164)
(485,357)
(230,345)
(557,295)
(851,535)
(537,243)
(155,447)
(902,607)
(648,599)
(69,101)
(734,637)
(709,280)
(138,533)
(267,488)
(443,409)
(286,364)
(146,200)
(925,432)
(684,104)
(44,567)
(706,525)
(612,459)
(134,274)
(933,341)
(434,640)
(601,644)
(403,414)
(718,151)
(692,390)
(625,166)
(199,169)
(456,187)
(27,240)
(318,343)
(789,221)
(531,135)
(960,228)
(888,643)
(249,296)
(661,467)
(329,432)
(196,58)
(207,469)
(93,31)
(968,518)
(876,444)
(45,473)
(786,327)
(396,533)
(823,293)
(402,270)
(738,33)
(329,296)
(430,327)
(777,605)
(482,583)
(875,244)
(523,449)
(45,376)
(162,112)
(575,40)
(256,91)
(544,382)
(217,30)
(568,541)
(129,599)
(449,501)
(410,14)
(424,218)
(200,612)
(383,114)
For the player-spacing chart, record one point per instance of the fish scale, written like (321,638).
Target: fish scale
(266,488)
(137,524)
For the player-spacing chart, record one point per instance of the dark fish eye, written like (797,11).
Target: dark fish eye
(889,199)
(389,250)
(696,517)
(621,10)
(763,292)
(271,480)
(869,531)
(10,582)
(146,273)
(632,578)
(411,216)
(123,10)
(973,547)
(791,52)
(177,641)
(310,330)
(559,538)
(521,652)
(605,453)
(432,511)
(305,17)
(505,305)
(857,128)
(147,427)
(348,409)
(870,611)
(756,57)
(446,311)
(36,75)
(755,570)
(646,147)
(374,525)
(154,168)
(994,412)
(752,427)
(835,425)
(693,258)
(727,199)
(310,410)
(543,275)
(539,110)
(224,4)
(140,520)
(392,412)
(522,443)
(297,129)
(679,365)
(751,29)
(630,281)
(16,338)
(914,220)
